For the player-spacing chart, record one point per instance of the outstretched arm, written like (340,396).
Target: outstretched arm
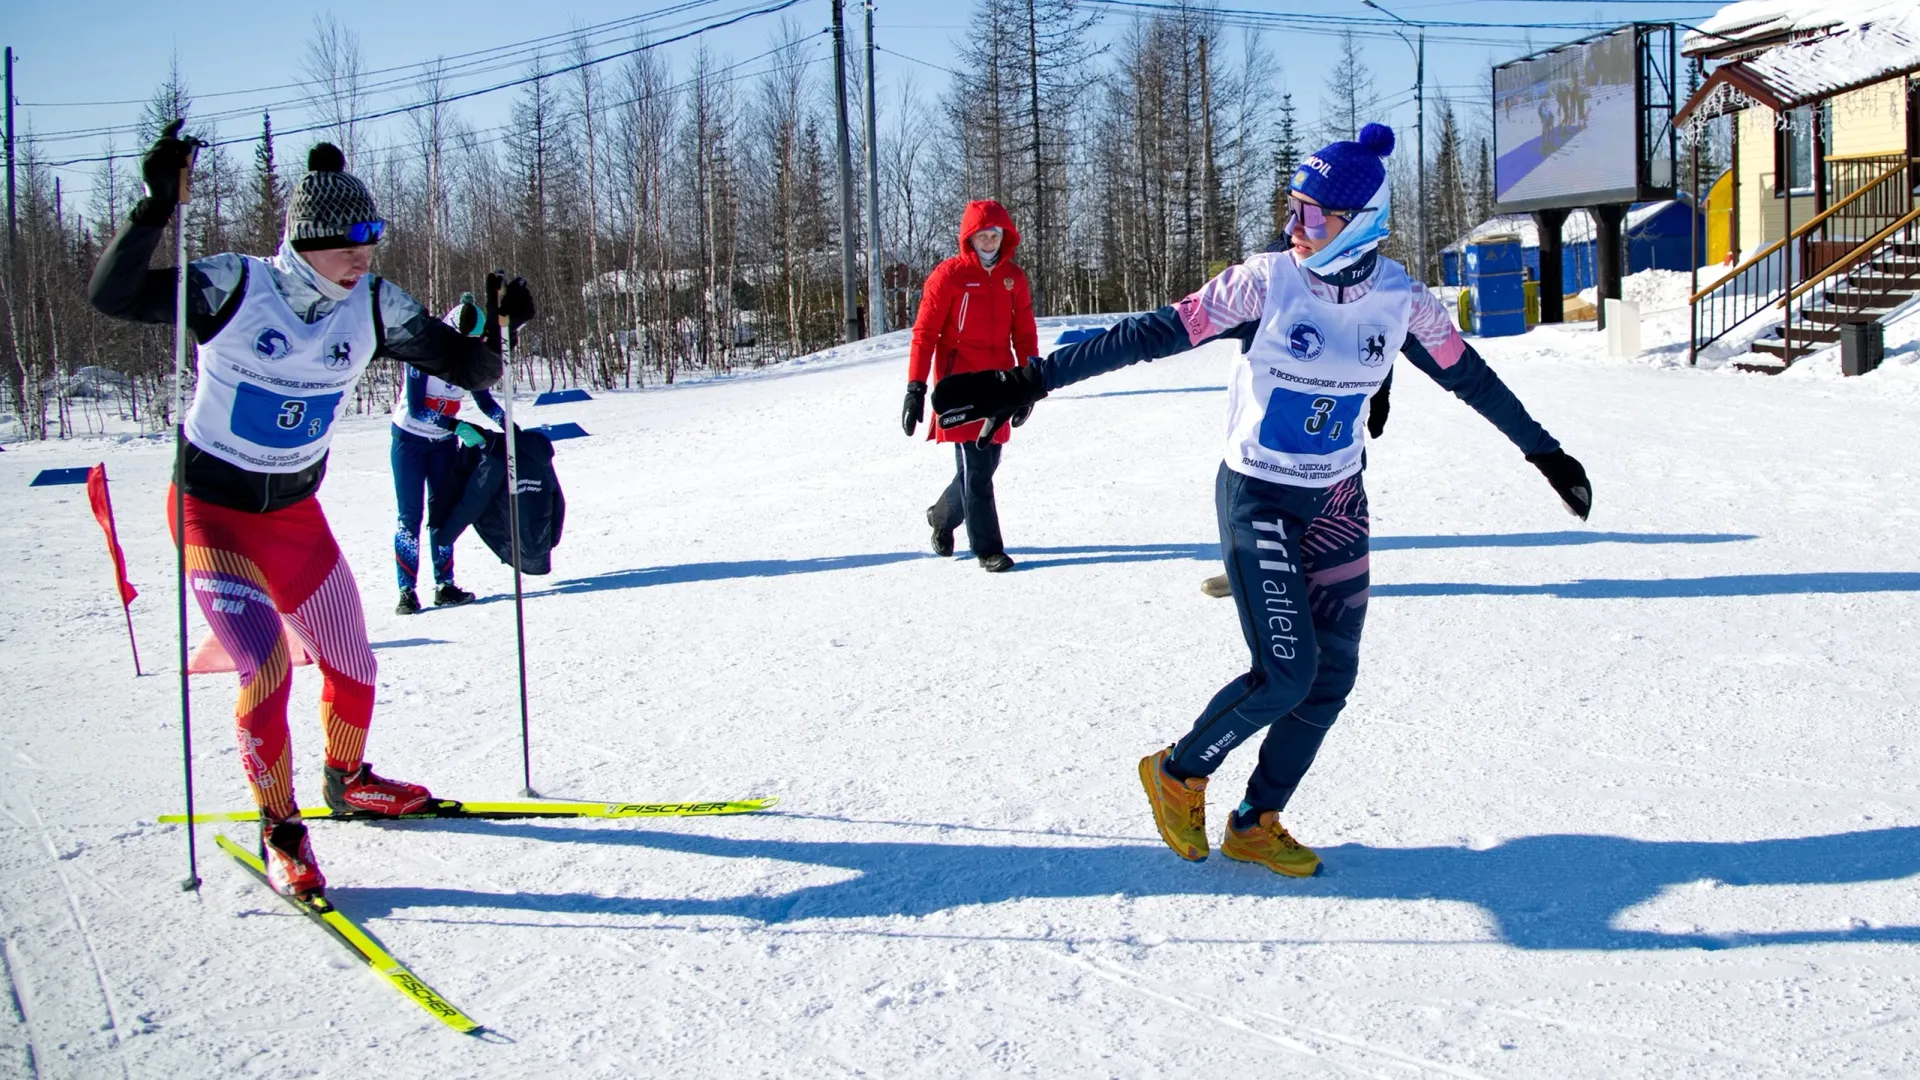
(413,336)
(1436,347)
(1222,307)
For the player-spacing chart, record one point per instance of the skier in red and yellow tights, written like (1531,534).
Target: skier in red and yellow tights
(281,342)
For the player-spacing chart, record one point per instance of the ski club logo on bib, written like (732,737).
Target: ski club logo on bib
(271,345)
(1305,341)
(337,354)
(1373,344)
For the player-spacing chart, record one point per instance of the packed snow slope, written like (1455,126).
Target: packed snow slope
(1634,797)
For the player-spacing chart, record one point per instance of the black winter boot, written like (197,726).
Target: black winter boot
(409,603)
(450,595)
(942,538)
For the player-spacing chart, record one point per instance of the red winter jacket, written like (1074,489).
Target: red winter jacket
(973,317)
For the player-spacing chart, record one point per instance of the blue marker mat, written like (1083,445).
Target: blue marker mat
(50,477)
(561,397)
(556,432)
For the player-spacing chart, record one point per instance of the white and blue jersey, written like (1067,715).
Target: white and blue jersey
(1297,402)
(429,406)
(270,383)
(1315,354)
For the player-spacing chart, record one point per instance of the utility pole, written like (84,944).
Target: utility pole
(1039,283)
(876,294)
(13,221)
(1420,121)
(1420,143)
(848,302)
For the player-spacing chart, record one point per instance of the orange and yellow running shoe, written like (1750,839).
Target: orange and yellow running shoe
(1267,842)
(1179,806)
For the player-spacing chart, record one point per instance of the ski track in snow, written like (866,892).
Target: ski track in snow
(1627,798)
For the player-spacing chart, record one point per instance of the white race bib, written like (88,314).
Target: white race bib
(1297,400)
(270,384)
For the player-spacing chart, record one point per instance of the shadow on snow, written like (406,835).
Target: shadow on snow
(1086,554)
(1542,892)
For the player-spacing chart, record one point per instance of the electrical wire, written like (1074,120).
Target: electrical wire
(450,98)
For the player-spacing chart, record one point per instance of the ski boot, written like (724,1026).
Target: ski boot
(942,537)
(359,793)
(1267,842)
(1217,587)
(409,603)
(1179,806)
(997,563)
(291,868)
(447,594)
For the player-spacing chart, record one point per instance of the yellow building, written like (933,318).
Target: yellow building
(1813,224)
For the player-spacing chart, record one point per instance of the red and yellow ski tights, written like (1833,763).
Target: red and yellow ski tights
(251,571)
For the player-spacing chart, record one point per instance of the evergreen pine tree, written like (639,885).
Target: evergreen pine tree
(1286,158)
(269,203)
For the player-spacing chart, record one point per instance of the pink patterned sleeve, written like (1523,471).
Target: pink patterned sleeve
(1431,324)
(1238,294)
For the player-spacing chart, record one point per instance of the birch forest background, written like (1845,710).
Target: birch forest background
(677,210)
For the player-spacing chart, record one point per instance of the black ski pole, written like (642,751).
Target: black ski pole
(513,526)
(180,501)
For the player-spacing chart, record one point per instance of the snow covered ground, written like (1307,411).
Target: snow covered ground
(1631,798)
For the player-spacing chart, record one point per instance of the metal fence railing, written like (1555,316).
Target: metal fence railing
(1868,193)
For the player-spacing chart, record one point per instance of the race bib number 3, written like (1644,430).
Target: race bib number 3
(280,421)
(1299,423)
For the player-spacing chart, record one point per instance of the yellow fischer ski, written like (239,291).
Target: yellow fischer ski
(450,808)
(362,944)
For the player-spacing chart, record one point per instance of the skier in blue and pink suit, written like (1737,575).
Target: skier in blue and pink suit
(1323,319)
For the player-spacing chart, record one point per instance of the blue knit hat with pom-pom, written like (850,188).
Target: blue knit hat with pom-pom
(1346,175)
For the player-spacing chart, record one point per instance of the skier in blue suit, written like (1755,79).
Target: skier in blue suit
(1326,316)
(427,434)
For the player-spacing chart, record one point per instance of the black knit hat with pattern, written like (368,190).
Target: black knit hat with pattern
(326,201)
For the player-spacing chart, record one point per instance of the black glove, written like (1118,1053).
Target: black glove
(914,409)
(514,299)
(469,318)
(1378,408)
(169,156)
(1567,478)
(993,396)
(517,303)
(1020,415)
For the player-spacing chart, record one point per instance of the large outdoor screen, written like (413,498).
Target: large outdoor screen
(1565,127)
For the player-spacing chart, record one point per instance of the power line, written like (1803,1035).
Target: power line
(497,58)
(595,28)
(449,99)
(1335,20)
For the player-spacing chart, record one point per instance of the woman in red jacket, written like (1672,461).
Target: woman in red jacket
(976,314)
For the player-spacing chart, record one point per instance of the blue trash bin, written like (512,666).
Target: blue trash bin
(1497,276)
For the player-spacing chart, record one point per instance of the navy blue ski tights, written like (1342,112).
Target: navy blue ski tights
(1297,561)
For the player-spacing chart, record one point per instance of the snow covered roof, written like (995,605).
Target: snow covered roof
(1863,42)
(1751,24)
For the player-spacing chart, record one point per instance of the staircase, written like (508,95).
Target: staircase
(1853,262)
(1863,287)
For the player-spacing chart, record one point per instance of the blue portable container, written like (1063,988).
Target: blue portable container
(1496,273)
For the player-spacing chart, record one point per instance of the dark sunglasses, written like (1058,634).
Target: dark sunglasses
(1312,217)
(366,232)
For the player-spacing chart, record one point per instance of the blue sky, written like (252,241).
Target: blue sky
(83,51)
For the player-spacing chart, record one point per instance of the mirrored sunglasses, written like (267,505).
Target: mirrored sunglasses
(1312,217)
(366,232)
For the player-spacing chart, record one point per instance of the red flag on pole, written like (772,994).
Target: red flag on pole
(103,512)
